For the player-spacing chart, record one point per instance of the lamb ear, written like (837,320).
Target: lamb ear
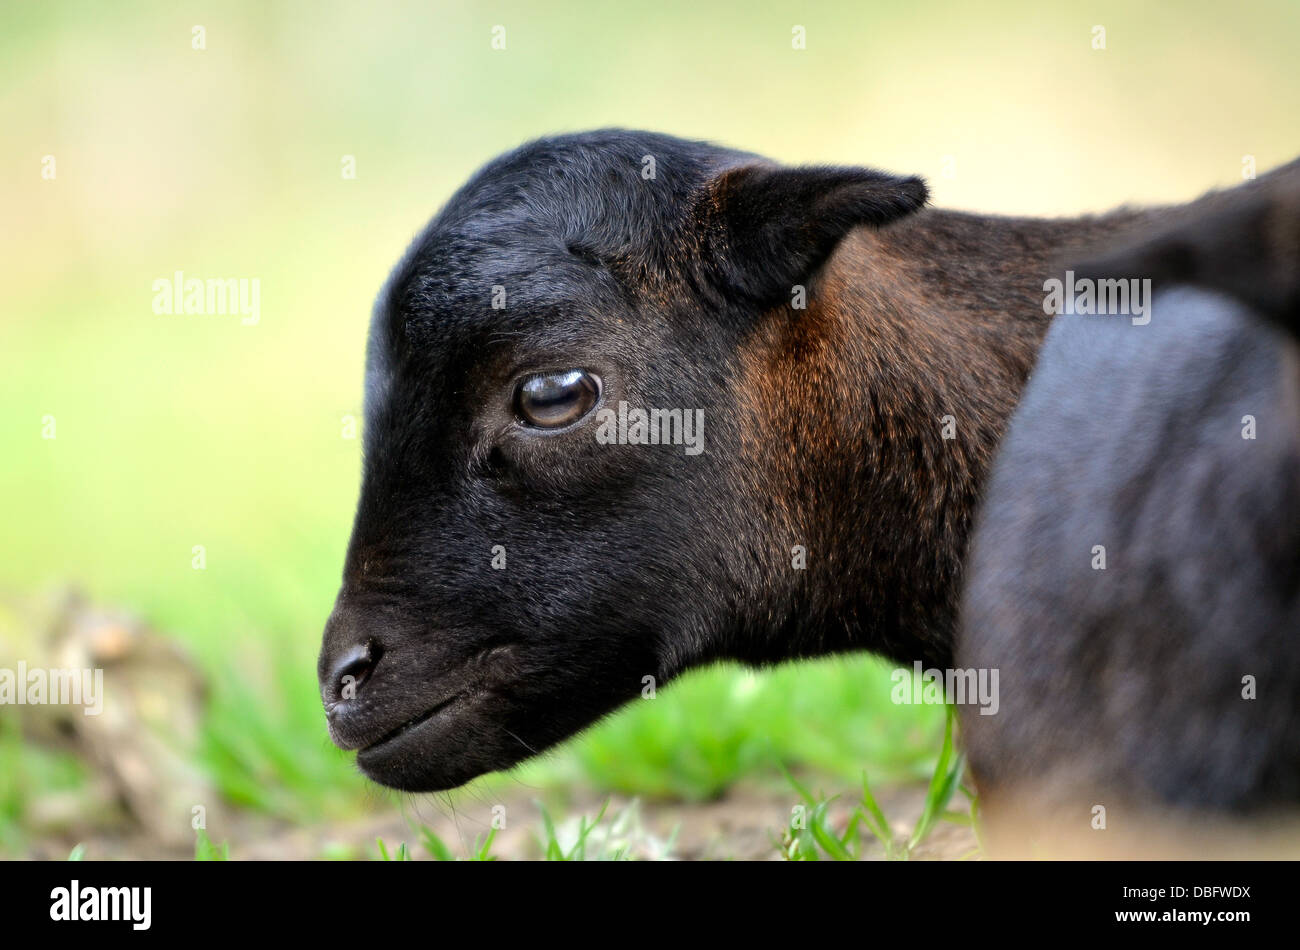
(767,228)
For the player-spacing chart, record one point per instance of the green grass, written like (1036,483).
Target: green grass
(602,837)
(27,774)
(810,836)
(205,850)
(440,851)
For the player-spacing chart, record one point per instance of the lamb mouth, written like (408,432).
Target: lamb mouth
(418,720)
(477,678)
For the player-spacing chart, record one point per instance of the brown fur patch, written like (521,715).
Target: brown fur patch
(842,410)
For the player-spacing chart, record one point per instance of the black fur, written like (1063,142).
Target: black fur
(1124,686)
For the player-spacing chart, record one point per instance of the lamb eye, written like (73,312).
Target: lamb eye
(554,400)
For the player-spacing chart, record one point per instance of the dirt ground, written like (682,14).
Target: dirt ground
(744,825)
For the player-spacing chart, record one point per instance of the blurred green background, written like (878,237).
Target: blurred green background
(176,431)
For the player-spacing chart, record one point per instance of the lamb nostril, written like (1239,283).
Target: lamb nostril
(353,669)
